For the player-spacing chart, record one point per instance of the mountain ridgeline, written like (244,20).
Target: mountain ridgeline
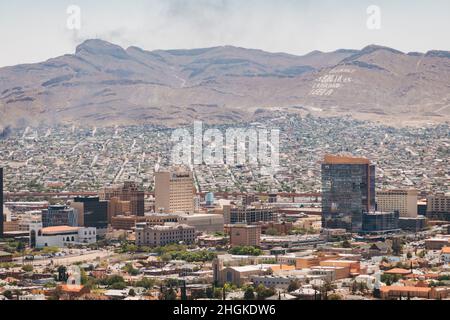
(105,84)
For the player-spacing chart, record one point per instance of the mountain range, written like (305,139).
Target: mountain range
(105,84)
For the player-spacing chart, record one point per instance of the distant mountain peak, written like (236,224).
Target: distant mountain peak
(101,47)
(369,50)
(438,54)
(373,47)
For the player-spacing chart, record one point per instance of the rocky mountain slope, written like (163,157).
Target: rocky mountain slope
(104,84)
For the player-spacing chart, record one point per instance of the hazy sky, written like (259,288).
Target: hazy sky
(33,31)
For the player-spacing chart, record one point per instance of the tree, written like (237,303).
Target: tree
(146,283)
(354,287)
(409,255)
(346,244)
(422,254)
(397,247)
(8,294)
(294,285)
(118,286)
(62,273)
(263,292)
(326,287)
(130,269)
(334,296)
(218,293)
(20,246)
(132,293)
(169,294)
(246,250)
(249,293)
(272,232)
(389,279)
(28,268)
(56,294)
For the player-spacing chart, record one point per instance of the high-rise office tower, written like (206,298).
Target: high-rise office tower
(348,190)
(1,203)
(128,192)
(91,212)
(174,191)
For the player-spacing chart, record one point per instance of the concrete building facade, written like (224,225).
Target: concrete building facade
(155,236)
(244,235)
(174,191)
(403,201)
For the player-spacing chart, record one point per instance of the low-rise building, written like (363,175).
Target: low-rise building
(331,273)
(407,292)
(380,222)
(282,228)
(240,275)
(307,262)
(60,236)
(437,243)
(5,257)
(203,222)
(276,281)
(154,236)
(416,224)
(445,254)
(70,292)
(129,222)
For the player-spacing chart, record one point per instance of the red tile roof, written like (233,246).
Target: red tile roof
(59,229)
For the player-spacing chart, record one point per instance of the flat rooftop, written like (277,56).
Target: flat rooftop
(331,159)
(60,229)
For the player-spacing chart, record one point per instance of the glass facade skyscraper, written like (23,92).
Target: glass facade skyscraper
(94,212)
(348,190)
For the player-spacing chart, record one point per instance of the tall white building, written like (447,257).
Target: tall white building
(174,191)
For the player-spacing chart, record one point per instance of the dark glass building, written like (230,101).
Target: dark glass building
(1,203)
(93,212)
(380,222)
(59,216)
(348,190)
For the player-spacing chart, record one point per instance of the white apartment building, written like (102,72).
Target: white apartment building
(403,201)
(174,191)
